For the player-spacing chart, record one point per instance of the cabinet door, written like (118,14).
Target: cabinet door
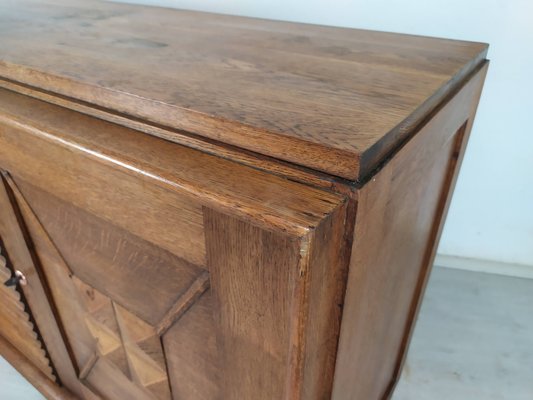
(115,313)
(175,274)
(124,262)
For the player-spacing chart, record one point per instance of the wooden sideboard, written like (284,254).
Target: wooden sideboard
(202,207)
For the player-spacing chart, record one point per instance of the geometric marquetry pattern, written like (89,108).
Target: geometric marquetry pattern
(128,342)
(121,338)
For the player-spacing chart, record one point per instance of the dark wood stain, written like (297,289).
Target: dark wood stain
(210,207)
(334,100)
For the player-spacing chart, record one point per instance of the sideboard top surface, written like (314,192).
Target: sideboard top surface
(330,99)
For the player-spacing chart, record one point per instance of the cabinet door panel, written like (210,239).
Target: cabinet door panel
(117,296)
(192,353)
(125,267)
(117,221)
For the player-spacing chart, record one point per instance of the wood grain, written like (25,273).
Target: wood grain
(327,270)
(40,381)
(37,296)
(144,353)
(335,100)
(215,207)
(246,157)
(193,353)
(398,211)
(182,305)
(103,335)
(86,185)
(16,325)
(123,266)
(57,275)
(254,274)
(74,234)
(108,382)
(179,179)
(277,302)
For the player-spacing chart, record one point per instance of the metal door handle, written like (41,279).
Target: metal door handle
(17,278)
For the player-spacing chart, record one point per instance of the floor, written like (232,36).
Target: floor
(13,386)
(474,341)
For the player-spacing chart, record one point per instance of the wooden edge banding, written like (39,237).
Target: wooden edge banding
(199,286)
(211,146)
(374,158)
(374,169)
(321,290)
(48,389)
(298,312)
(280,219)
(344,266)
(234,133)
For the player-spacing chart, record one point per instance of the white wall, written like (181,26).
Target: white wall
(491,216)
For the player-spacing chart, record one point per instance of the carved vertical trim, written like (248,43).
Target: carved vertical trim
(25,231)
(14,307)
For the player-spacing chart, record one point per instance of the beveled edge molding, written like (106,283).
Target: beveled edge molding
(227,151)
(184,302)
(282,218)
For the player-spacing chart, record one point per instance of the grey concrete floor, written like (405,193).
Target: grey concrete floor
(473,341)
(13,386)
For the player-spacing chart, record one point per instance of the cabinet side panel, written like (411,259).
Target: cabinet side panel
(454,165)
(400,212)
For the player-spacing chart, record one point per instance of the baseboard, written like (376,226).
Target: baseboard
(489,267)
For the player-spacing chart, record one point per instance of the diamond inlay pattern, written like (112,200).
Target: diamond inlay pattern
(112,345)
(131,344)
